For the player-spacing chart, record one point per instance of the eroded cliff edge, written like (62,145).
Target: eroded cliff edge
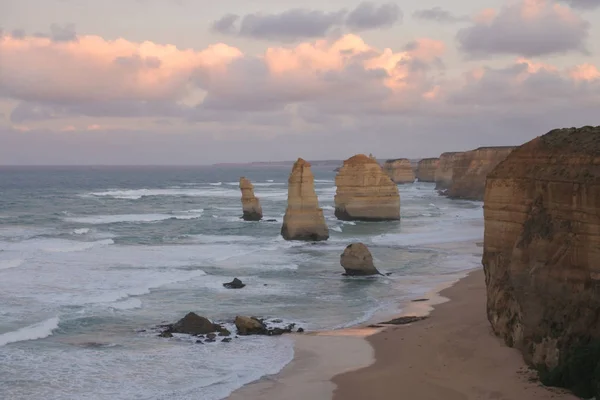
(443,173)
(542,255)
(426,169)
(470,169)
(399,170)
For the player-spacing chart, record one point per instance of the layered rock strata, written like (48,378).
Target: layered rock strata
(426,169)
(399,170)
(470,170)
(443,173)
(364,192)
(252,211)
(303,218)
(542,255)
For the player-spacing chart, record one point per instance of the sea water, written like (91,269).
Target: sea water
(93,258)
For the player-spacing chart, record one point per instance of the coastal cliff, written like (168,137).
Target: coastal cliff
(303,219)
(542,255)
(364,192)
(426,169)
(252,211)
(399,170)
(443,173)
(470,169)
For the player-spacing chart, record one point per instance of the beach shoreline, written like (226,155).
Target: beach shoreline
(320,356)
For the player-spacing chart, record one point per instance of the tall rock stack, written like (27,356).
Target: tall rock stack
(303,218)
(252,211)
(426,169)
(364,192)
(470,170)
(542,255)
(443,173)
(399,170)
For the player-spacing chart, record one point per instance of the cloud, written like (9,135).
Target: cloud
(329,90)
(582,4)
(370,16)
(439,15)
(528,28)
(300,23)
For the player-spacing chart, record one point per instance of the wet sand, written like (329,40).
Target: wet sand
(452,355)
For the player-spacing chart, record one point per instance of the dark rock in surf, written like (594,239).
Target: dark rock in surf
(404,320)
(234,284)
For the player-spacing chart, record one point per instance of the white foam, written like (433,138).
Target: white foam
(336,228)
(216,183)
(67,246)
(324,181)
(332,208)
(7,264)
(133,218)
(127,304)
(32,332)
(81,231)
(136,194)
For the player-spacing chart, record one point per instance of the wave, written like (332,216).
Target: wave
(7,264)
(216,183)
(133,218)
(336,228)
(81,231)
(32,332)
(127,304)
(324,181)
(68,246)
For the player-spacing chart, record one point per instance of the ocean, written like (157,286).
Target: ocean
(92,259)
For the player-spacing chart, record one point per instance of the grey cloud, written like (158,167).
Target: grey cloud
(63,33)
(582,4)
(289,25)
(300,23)
(225,24)
(548,32)
(18,33)
(439,15)
(370,16)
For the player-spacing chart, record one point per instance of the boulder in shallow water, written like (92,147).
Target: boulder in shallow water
(357,260)
(234,284)
(193,324)
(249,326)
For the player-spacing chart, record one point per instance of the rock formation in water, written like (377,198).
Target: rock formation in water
(443,173)
(470,170)
(426,169)
(364,192)
(542,255)
(303,218)
(399,170)
(357,260)
(252,211)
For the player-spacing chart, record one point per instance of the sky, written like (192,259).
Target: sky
(152,82)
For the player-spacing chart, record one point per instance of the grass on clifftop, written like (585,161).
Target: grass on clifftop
(578,371)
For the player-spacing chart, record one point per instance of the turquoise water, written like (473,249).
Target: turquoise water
(91,259)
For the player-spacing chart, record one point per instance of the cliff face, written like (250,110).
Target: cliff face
(399,170)
(252,211)
(364,192)
(303,218)
(426,169)
(443,173)
(470,169)
(542,255)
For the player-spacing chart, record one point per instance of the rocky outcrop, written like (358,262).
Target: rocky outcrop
(303,218)
(192,324)
(357,260)
(426,169)
(470,169)
(234,284)
(250,204)
(399,170)
(542,255)
(364,192)
(443,173)
(253,326)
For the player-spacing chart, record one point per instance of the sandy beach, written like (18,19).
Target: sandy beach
(452,355)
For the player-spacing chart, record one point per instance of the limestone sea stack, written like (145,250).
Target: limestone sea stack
(443,173)
(470,170)
(252,211)
(303,218)
(399,170)
(426,169)
(358,261)
(542,255)
(364,192)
